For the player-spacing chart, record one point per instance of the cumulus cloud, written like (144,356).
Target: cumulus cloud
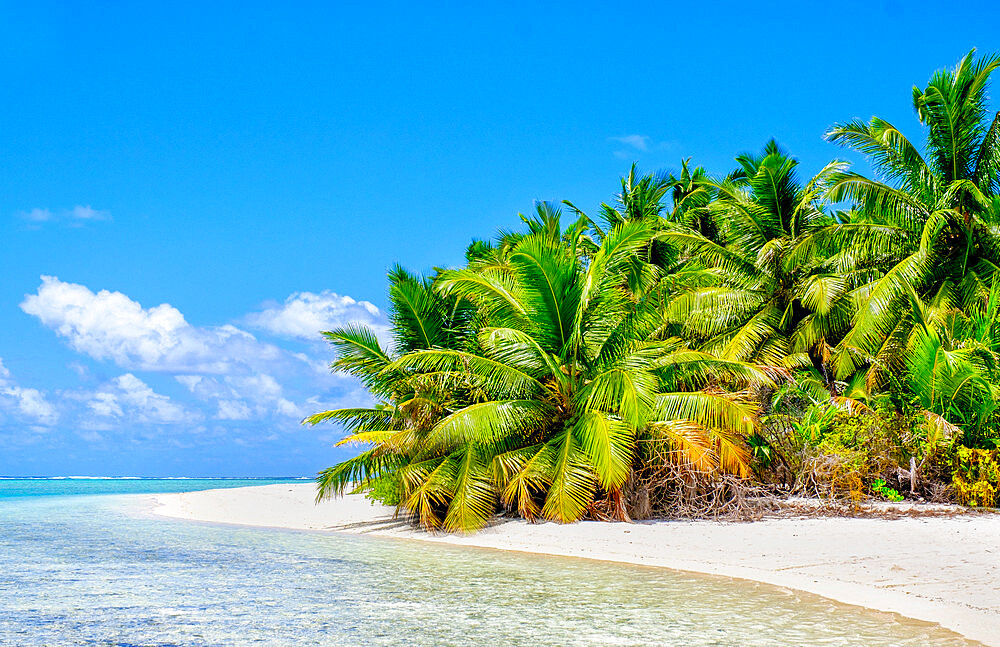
(243,397)
(24,402)
(111,326)
(126,397)
(230,375)
(304,315)
(75,216)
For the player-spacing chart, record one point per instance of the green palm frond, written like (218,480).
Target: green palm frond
(428,486)
(623,390)
(523,475)
(890,152)
(986,174)
(417,312)
(953,107)
(608,443)
(498,379)
(548,275)
(879,309)
(495,291)
(487,423)
(356,471)
(359,354)
(473,498)
(895,207)
(356,419)
(572,484)
(710,410)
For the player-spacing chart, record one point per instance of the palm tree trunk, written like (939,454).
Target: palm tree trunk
(618,511)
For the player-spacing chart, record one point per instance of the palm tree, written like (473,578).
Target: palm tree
(405,403)
(691,192)
(931,218)
(641,198)
(758,293)
(563,387)
(951,364)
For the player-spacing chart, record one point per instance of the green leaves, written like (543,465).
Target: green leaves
(953,107)
(560,359)
(548,277)
(416,312)
(359,354)
(459,368)
(539,401)
(487,424)
(572,483)
(608,443)
(473,496)
(890,152)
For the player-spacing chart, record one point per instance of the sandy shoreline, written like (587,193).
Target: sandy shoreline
(938,569)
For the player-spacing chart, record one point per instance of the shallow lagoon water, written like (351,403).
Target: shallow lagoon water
(96,570)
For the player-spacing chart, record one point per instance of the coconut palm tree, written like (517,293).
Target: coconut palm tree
(561,361)
(405,403)
(641,198)
(951,365)
(930,218)
(759,295)
(691,193)
(563,386)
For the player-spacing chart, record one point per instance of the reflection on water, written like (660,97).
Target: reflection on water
(88,571)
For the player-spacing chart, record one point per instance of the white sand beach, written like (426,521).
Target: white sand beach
(938,569)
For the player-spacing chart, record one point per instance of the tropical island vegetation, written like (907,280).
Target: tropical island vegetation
(836,336)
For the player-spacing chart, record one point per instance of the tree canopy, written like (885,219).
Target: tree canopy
(568,357)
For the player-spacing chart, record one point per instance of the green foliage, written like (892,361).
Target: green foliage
(837,334)
(881,489)
(386,489)
(976,476)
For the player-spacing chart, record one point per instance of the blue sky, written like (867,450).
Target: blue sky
(188,193)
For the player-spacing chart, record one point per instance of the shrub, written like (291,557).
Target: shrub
(880,488)
(976,476)
(387,490)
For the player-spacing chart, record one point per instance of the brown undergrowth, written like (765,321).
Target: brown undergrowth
(679,492)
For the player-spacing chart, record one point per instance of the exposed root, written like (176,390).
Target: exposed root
(681,492)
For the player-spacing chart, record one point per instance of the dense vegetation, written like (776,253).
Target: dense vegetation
(837,336)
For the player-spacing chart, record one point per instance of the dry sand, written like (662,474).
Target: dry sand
(938,569)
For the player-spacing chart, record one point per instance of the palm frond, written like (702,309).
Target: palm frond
(572,484)
(608,442)
(487,423)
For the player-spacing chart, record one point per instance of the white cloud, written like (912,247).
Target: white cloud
(111,326)
(288,408)
(25,402)
(105,404)
(642,144)
(231,376)
(128,397)
(244,397)
(638,142)
(233,410)
(37,215)
(88,213)
(74,216)
(90,435)
(304,315)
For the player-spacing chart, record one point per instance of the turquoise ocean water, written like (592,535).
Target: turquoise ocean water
(83,563)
